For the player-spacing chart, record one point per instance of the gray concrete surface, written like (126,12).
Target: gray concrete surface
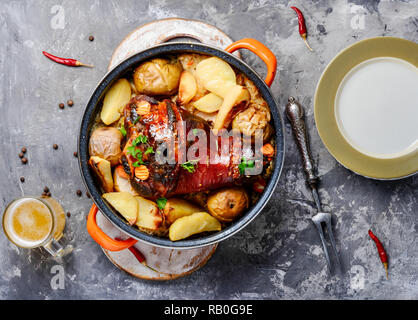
(278,256)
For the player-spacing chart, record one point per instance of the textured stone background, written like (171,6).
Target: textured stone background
(278,256)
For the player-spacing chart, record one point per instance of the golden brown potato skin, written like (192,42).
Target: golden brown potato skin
(157,77)
(105,143)
(227,204)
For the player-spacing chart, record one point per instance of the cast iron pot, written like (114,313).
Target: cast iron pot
(93,108)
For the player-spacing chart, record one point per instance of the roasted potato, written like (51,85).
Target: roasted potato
(236,95)
(187,87)
(105,143)
(177,208)
(195,223)
(149,217)
(208,103)
(158,77)
(227,204)
(216,75)
(189,62)
(103,170)
(125,204)
(121,181)
(115,99)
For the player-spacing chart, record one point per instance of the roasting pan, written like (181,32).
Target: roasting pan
(93,108)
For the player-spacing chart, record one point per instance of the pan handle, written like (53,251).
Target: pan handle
(260,50)
(102,238)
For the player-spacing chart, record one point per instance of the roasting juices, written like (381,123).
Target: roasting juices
(31,222)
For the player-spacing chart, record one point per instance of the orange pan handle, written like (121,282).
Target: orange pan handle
(102,238)
(260,50)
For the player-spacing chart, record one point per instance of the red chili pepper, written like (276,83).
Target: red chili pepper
(139,256)
(382,253)
(302,26)
(66,61)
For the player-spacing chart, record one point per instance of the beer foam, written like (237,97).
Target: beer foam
(20,220)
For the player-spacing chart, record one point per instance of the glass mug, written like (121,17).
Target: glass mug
(32,222)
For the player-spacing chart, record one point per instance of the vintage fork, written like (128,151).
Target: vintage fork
(294,112)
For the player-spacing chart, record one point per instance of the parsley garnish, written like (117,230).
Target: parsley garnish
(138,163)
(189,166)
(137,154)
(136,120)
(245,164)
(161,202)
(149,150)
(134,152)
(123,130)
(139,139)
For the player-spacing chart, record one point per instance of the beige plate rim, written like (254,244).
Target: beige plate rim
(324,108)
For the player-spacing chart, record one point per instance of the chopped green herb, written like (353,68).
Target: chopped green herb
(123,130)
(131,150)
(134,152)
(189,166)
(139,139)
(138,163)
(149,150)
(137,154)
(161,202)
(195,131)
(245,164)
(136,120)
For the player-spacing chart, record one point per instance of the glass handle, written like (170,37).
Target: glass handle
(56,249)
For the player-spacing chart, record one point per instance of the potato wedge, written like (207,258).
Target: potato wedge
(103,170)
(125,204)
(195,223)
(237,94)
(216,75)
(187,87)
(114,101)
(121,181)
(149,216)
(208,103)
(177,208)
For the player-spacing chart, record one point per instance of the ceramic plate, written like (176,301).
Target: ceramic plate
(366,108)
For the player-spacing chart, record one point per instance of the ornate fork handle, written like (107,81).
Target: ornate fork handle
(294,112)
